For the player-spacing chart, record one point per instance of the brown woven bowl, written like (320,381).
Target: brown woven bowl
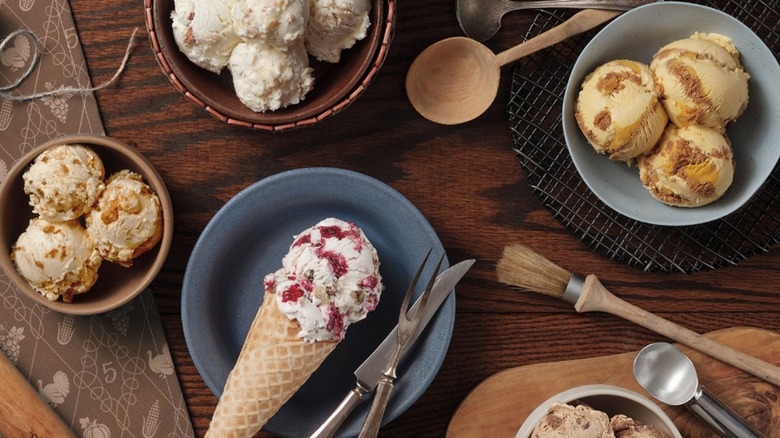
(335,85)
(115,285)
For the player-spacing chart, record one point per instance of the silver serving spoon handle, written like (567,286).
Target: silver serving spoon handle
(481,19)
(670,376)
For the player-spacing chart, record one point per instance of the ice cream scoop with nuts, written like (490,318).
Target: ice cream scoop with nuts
(127,220)
(58,259)
(264,43)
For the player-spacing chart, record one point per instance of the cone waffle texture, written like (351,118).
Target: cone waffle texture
(273,364)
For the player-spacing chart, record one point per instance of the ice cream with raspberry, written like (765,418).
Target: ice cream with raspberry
(329,279)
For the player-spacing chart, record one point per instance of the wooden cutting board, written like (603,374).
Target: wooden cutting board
(497,407)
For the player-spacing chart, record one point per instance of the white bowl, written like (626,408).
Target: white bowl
(609,399)
(637,35)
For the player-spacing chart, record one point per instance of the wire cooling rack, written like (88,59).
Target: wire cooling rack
(538,85)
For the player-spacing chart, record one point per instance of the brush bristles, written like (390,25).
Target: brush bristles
(520,266)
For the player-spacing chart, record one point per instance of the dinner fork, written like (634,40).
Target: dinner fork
(406,326)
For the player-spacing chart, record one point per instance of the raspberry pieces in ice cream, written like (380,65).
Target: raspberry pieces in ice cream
(328,280)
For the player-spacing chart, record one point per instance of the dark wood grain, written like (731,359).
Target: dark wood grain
(464,179)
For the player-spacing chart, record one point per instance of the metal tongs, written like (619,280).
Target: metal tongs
(406,326)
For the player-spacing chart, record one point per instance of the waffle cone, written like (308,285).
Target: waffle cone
(272,365)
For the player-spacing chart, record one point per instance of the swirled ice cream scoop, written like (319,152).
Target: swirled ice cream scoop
(689,167)
(329,279)
(58,259)
(127,220)
(64,182)
(619,110)
(702,81)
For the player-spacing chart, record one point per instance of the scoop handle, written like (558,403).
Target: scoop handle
(23,412)
(578,23)
(595,297)
(719,416)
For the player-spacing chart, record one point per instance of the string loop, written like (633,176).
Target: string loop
(62,90)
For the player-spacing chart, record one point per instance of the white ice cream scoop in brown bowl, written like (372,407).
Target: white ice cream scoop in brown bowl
(606,406)
(246,62)
(86,224)
(637,36)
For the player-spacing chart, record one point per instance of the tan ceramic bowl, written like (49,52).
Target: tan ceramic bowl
(610,399)
(335,85)
(115,285)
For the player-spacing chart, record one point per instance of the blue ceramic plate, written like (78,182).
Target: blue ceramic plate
(247,238)
(637,35)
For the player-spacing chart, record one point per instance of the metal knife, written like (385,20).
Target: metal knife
(370,371)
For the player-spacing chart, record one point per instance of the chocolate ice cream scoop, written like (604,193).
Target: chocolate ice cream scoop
(566,421)
(625,427)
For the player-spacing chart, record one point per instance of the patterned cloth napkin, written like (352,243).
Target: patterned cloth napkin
(106,375)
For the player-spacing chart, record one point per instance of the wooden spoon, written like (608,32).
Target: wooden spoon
(23,413)
(455,80)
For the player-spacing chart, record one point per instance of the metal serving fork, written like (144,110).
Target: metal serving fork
(406,327)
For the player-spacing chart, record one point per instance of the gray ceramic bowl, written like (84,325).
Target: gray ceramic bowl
(335,85)
(637,35)
(115,285)
(612,400)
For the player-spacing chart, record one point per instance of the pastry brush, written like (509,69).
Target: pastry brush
(520,266)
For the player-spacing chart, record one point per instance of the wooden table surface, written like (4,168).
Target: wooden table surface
(465,179)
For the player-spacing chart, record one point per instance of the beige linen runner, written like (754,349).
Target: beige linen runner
(109,375)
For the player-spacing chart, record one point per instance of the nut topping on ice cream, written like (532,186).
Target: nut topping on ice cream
(281,23)
(268,78)
(335,25)
(127,220)
(58,259)
(328,280)
(64,182)
(203,30)
(56,255)
(262,42)
(619,111)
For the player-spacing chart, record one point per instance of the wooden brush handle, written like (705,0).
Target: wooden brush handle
(595,297)
(23,413)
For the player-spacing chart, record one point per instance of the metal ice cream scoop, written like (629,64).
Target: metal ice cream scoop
(481,19)
(670,376)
